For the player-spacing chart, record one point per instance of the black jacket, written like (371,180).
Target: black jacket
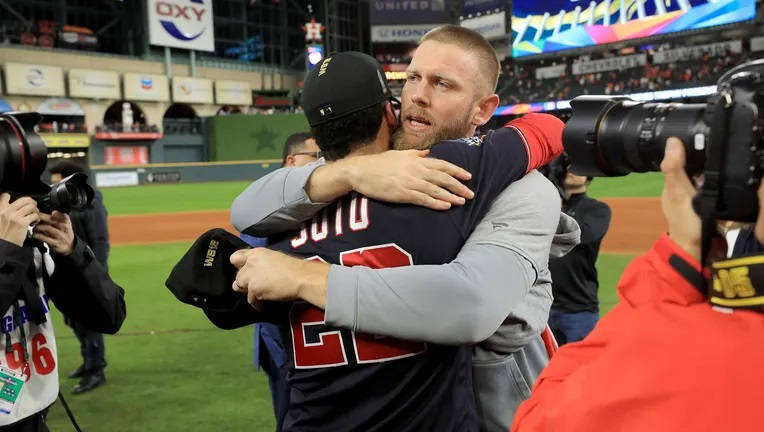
(747,244)
(80,286)
(574,276)
(90,225)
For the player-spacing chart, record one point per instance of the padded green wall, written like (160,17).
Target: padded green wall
(252,137)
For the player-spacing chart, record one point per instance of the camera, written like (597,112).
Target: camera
(723,139)
(556,171)
(23,157)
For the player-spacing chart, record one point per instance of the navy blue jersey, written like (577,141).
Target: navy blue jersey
(346,381)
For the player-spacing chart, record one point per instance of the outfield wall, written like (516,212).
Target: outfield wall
(113,176)
(247,137)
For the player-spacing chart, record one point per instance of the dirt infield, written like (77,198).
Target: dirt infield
(165,227)
(636,223)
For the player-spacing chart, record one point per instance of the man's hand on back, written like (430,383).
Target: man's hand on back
(406,177)
(273,276)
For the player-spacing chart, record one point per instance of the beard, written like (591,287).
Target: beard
(452,129)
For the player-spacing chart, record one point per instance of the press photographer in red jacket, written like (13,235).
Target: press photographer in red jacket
(665,358)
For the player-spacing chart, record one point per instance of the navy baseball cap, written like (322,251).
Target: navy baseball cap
(204,278)
(343,84)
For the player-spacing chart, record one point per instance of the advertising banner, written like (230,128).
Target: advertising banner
(60,106)
(407,11)
(233,93)
(757,43)
(64,140)
(690,52)
(490,26)
(471,7)
(181,24)
(400,33)
(26,79)
(192,90)
(94,84)
(615,63)
(550,72)
(146,87)
(116,178)
(126,155)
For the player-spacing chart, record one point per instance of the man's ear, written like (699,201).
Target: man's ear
(290,161)
(390,116)
(485,109)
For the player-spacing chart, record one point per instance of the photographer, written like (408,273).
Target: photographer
(51,264)
(90,224)
(575,309)
(663,359)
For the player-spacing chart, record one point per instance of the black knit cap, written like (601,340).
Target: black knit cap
(343,84)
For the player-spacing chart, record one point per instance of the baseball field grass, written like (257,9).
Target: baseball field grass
(630,186)
(169,368)
(218,196)
(169,198)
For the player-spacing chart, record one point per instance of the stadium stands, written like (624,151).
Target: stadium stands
(518,83)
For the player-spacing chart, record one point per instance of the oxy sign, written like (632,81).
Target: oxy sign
(184,24)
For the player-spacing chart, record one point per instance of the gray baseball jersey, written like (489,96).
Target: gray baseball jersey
(496,293)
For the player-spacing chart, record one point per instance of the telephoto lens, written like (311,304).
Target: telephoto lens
(614,136)
(723,139)
(71,193)
(23,155)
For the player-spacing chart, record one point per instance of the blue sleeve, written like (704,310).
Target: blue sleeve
(495,160)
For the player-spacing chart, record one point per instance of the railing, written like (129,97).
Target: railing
(180,59)
(182,126)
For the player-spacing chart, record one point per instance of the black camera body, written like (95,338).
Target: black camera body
(23,157)
(723,139)
(556,171)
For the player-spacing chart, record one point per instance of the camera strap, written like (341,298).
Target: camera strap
(30,291)
(717,117)
(737,283)
(69,412)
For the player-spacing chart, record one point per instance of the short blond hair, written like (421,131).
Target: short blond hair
(472,42)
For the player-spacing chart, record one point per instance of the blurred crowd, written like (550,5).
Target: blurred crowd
(61,127)
(518,83)
(118,127)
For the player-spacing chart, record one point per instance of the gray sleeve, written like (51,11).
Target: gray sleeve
(466,300)
(462,302)
(523,218)
(276,202)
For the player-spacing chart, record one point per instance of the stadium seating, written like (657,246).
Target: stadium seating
(518,83)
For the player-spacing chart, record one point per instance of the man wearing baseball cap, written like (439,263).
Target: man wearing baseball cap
(343,380)
(500,276)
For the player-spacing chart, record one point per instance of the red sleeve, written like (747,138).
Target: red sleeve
(542,136)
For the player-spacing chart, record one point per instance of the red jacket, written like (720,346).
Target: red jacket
(662,360)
